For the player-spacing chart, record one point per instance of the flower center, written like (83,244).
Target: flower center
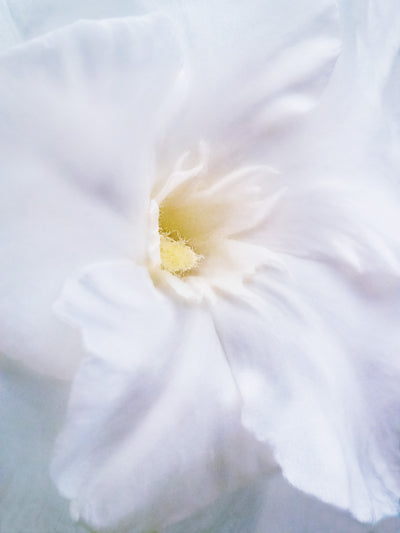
(177,252)
(200,227)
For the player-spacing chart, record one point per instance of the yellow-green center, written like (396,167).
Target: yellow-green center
(177,252)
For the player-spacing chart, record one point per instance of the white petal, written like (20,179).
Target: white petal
(254,67)
(90,98)
(315,362)
(347,225)
(353,129)
(78,108)
(154,414)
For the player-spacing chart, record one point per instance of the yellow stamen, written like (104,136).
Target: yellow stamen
(176,256)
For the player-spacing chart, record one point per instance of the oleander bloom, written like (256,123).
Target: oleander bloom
(226,290)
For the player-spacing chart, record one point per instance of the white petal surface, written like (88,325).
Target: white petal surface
(315,362)
(154,413)
(349,223)
(319,372)
(79,109)
(254,67)
(31,411)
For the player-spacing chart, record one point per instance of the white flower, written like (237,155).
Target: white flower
(224,267)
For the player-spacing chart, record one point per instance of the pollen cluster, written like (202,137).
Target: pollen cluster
(176,252)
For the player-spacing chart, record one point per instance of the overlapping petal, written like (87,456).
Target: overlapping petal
(79,112)
(319,381)
(154,415)
(255,67)
(349,224)
(73,124)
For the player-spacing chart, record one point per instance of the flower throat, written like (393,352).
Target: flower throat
(177,252)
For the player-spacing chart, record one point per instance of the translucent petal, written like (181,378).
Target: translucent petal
(255,67)
(348,224)
(79,109)
(315,362)
(154,413)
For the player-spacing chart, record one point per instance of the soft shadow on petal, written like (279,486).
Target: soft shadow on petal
(79,108)
(89,99)
(315,362)
(255,67)
(348,223)
(31,411)
(353,130)
(154,415)
(341,170)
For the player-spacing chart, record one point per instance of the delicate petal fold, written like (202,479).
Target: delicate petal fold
(154,414)
(79,109)
(90,98)
(317,368)
(350,225)
(254,67)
